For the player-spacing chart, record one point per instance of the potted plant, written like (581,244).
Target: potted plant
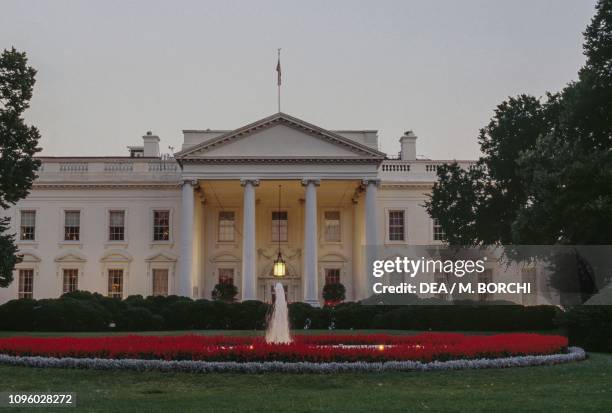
(225,292)
(334,294)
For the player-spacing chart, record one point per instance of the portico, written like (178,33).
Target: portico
(231,222)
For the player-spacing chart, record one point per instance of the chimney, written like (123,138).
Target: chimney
(408,142)
(151,145)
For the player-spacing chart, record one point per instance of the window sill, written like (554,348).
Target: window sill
(161,243)
(32,243)
(115,244)
(70,244)
(388,242)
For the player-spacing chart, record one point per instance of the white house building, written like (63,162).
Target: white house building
(148,224)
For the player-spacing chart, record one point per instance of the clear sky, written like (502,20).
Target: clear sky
(108,71)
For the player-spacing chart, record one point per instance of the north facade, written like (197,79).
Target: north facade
(219,210)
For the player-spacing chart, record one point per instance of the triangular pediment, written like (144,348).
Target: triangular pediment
(280,137)
(29,256)
(116,255)
(70,256)
(162,256)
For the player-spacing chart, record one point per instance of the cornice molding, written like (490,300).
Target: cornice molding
(106,185)
(407,185)
(281,161)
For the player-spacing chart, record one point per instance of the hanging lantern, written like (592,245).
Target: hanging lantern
(279,266)
(280,269)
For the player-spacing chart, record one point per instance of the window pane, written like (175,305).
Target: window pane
(332,226)
(332,276)
(71,280)
(396,226)
(226,276)
(227,221)
(72,218)
(161,225)
(72,222)
(116,230)
(279,226)
(26,284)
(117,218)
(485,277)
(28,225)
(115,283)
(438,233)
(441,278)
(160,281)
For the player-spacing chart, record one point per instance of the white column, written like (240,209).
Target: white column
(186,247)
(371,229)
(311,289)
(249,274)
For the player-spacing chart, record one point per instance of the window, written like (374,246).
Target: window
(160,281)
(116,229)
(226,276)
(161,225)
(227,221)
(438,232)
(396,226)
(28,226)
(71,280)
(332,226)
(72,225)
(528,275)
(279,226)
(26,284)
(115,283)
(332,276)
(485,277)
(441,278)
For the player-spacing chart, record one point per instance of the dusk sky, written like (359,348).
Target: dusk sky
(108,71)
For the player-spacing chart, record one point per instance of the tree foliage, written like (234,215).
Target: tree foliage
(545,174)
(479,205)
(18,145)
(569,170)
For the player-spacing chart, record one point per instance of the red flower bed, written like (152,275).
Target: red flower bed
(376,347)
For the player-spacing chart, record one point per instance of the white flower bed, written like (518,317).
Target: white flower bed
(574,354)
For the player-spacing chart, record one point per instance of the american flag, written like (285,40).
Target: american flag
(278,70)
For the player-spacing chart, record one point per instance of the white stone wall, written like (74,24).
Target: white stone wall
(48,254)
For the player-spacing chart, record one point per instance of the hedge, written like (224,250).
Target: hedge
(84,311)
(588,326)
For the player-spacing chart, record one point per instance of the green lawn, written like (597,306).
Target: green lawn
(584,386)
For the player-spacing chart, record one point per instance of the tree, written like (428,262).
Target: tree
(479,205)
(570,189)
(18,145)
(545,176)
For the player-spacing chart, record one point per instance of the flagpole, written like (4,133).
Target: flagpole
(278,69)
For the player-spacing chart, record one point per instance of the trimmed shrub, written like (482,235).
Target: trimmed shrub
(63,314)
(225,292)
(18,315)
(588,326)
(84,311)
(139,319)
(334,293)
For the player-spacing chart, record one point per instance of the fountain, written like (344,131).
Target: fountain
(278,325)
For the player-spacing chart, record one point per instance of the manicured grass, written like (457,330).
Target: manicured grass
(584,386)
